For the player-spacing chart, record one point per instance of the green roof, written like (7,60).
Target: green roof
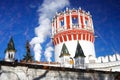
(79,52)
(64,51)
(10,46)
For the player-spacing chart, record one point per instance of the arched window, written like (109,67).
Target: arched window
(86,23)
(62,23)
(74,21)
(8,55)
(11,56)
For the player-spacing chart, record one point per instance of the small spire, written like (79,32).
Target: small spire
(10,46)
(79,52)
(64,51)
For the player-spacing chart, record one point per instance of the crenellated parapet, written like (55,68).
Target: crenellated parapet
(108,58)
(106,63)
(106,66)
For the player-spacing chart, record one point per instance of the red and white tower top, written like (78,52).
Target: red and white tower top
(71,26)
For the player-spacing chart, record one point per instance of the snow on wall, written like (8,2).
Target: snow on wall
(25,73)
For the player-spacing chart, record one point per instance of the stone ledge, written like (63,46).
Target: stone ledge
(36,66)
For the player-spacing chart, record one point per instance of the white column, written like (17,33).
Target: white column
(92,24)
(84,19)
(81,36)
(79,20)
(67,37)
(58,23)
(52,27)
(55,25)
(70,19)
(65,25)
(77,35)
(89,22)
(85,36)
(62,38)
(88,37)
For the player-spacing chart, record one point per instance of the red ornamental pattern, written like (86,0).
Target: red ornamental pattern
(73,35)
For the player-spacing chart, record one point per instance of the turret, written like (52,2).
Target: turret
(79,57)
(65,57)
(10,51)
(70,26)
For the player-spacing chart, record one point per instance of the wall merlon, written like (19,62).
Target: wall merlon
(103,59)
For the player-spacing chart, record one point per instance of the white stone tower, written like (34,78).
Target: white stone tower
(72,26)
(10,51)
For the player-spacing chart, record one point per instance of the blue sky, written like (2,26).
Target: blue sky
(19,18)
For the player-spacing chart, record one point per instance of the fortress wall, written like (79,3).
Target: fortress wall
(24,73)
(36,72)
(106,66)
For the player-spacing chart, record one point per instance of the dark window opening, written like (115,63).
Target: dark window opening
(62,23)
(86,23)
(8,55)
(75,21)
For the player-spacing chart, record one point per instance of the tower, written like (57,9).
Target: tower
(71,26)
(65,56)
(79,57)
(10,51)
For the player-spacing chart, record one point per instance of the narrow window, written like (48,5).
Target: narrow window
(62,23)
(75,21)
(11,56)
(86,23)
(8,55)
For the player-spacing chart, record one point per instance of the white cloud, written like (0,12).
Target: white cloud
(37,50)
(48,53)
(46,11)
